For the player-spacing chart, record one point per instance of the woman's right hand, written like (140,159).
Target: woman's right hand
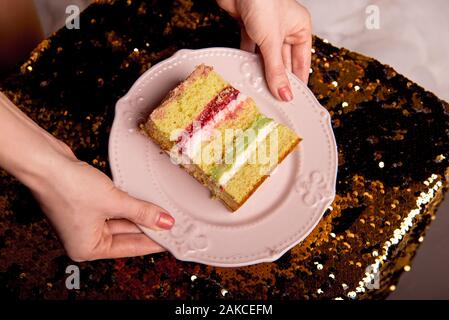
(281,29)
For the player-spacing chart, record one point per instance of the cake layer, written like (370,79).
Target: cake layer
(242,148)
(253,174)
(218,110)
(224,133)
(250,175)
(183,105)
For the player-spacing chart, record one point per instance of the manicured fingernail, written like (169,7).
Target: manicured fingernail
(286,94)
(165,221)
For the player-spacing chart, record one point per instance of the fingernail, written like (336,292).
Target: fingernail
(286,94)
(165,221)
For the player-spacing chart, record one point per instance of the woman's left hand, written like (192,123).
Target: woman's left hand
(282,31)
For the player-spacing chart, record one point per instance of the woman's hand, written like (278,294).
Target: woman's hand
(282,31)
(93,219)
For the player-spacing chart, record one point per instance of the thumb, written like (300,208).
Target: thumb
(275,73)
(143,213)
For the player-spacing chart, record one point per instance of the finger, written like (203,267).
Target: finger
(277,80)
(301,56)
(142,213)
(287,56)
(127,245)
(122,226)
(246,43)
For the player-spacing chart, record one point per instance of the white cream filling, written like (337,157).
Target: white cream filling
(192,146)
(243,157)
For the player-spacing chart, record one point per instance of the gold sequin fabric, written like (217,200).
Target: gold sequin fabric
(392,138)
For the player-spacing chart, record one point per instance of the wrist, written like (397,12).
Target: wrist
(27,151)
(42,165)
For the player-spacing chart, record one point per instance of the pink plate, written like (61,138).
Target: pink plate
(280,214)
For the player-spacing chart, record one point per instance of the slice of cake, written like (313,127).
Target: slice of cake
(217,134)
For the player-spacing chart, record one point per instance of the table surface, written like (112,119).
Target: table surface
(393,158)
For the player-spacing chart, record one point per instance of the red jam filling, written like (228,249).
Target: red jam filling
(214,106)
